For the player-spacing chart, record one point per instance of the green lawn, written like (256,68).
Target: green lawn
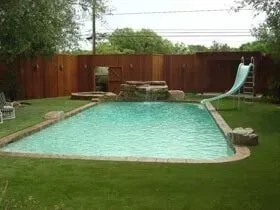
(253,183)
(28,115)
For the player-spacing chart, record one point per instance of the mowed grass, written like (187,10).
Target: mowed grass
(28,115)
(253,183)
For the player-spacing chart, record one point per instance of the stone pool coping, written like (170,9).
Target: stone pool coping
(33,129)
(241,152)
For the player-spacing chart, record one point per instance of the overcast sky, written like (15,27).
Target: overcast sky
(189,22)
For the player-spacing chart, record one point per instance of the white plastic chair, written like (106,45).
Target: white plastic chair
(7,109)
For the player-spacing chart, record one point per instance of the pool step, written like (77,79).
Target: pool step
(105,97)
(96,95)
(96,100)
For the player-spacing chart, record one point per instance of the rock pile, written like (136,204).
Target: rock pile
(244,136)
(143,91)
(148,91)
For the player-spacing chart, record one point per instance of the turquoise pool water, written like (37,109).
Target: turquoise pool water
(138,129)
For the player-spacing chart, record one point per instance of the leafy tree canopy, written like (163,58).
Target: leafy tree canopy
(31,27)
(128,41)
(197,48)
(269,31)
(143,41)
(255,46)
(107,48)
(36,27)
(220,47)
(268,35)
(181,48)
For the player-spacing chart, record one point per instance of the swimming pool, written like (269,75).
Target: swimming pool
(132,129)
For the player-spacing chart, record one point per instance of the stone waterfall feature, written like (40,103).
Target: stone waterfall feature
(147,91)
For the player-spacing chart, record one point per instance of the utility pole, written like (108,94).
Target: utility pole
(93,27)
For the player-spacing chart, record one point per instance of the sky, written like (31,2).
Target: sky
(188,27)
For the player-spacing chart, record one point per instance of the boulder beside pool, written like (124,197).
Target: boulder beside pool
(176,95)
(244,136)
(54,115)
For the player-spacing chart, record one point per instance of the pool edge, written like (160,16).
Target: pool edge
(241,152)
(42,125)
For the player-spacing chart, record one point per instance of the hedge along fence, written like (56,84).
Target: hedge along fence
(202,72)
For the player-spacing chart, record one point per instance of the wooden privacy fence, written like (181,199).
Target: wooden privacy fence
(202,72)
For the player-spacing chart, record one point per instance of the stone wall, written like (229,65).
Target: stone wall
(143,91)
(148,91)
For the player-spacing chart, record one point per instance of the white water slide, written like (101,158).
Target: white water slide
(241,76)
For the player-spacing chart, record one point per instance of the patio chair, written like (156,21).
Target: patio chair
(7,109)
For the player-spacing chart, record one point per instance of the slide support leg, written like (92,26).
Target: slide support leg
(238,100)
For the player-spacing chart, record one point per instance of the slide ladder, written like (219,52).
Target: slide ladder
(244,78)
(249,85)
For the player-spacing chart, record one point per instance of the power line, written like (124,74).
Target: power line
(186,29)
(107,27)
(181,35)
(193,32)
(206,35)
(204,32)
(174,11)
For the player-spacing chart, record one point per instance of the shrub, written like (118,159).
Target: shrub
(274,89)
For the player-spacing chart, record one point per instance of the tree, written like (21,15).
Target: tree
(197,48)
(96,9)
(101,6)
(269,31)
(78,52)
(255,46)
(180,48)
(219,47)
(36,27)
(107,48)
(30,28)
(144,41)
